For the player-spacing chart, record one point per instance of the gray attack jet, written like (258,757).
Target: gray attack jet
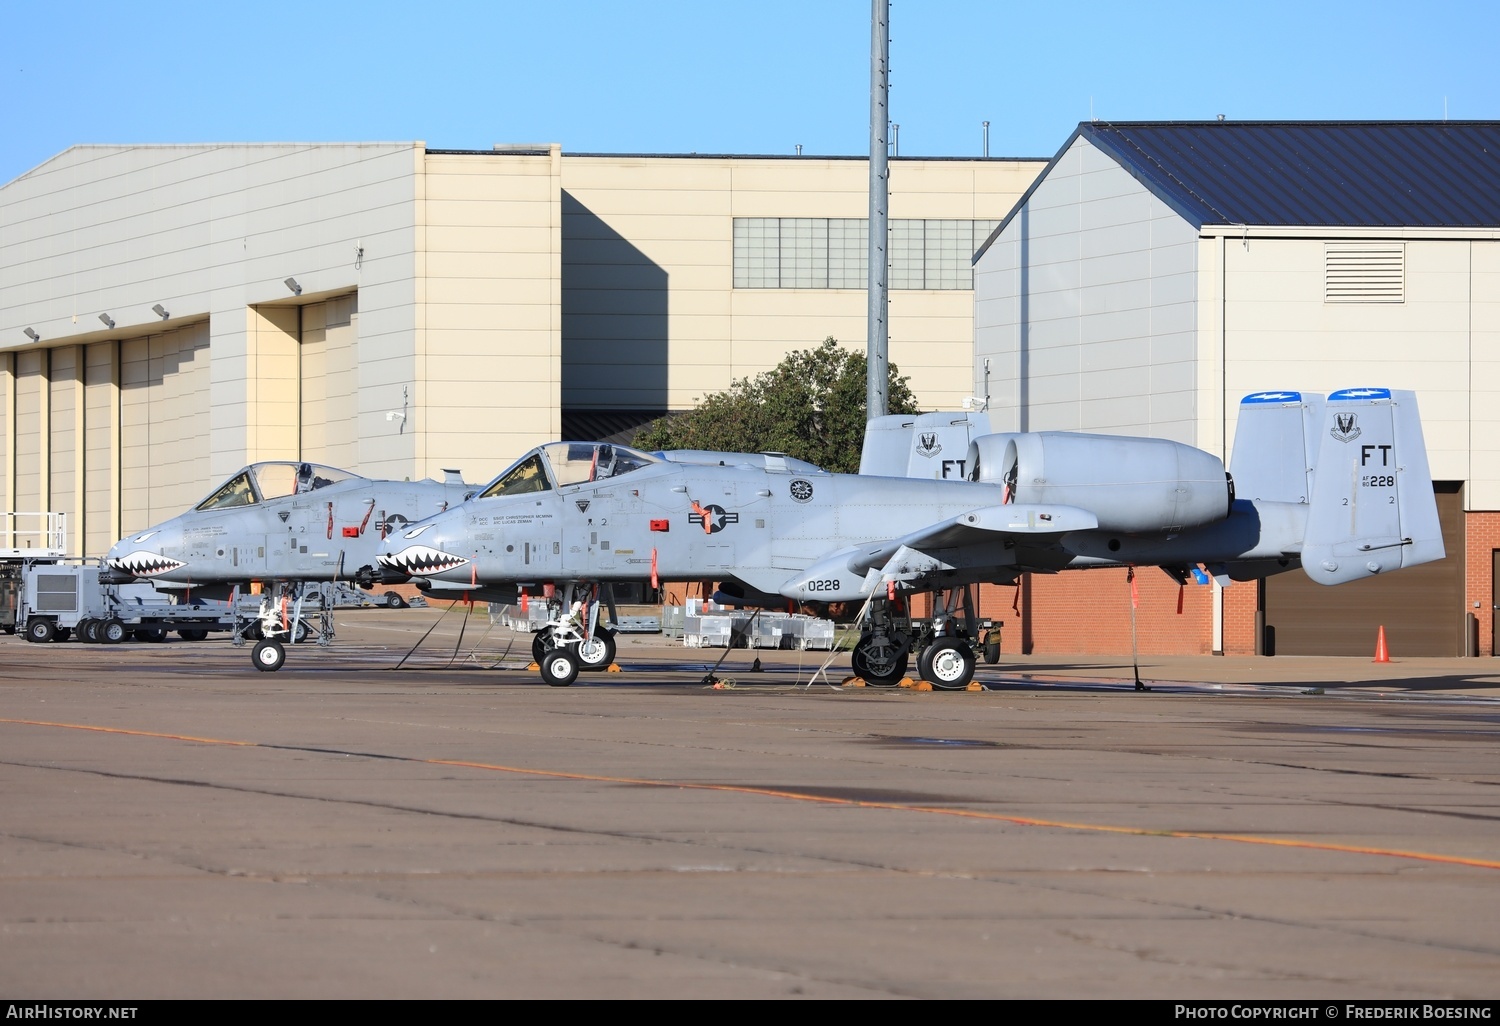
(1339,486)
(282,524)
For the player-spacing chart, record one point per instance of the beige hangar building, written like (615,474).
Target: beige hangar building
(1157,273)
(169,314)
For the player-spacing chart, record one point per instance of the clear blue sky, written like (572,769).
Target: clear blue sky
(673,76)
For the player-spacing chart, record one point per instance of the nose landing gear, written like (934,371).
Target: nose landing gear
(577,633)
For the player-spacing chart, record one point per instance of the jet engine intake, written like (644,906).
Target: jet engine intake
(1131,484)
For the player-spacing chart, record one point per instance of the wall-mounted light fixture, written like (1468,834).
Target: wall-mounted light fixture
(291,283)
(31,334)
(109,322)
(160,311)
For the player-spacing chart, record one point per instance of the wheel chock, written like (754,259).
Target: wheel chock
(917,685)
(613,668)
(852,682)
(533,665)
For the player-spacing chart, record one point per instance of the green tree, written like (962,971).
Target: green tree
(810,406)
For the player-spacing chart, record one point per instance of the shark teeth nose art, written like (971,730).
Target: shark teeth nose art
(420,560)
(146,564)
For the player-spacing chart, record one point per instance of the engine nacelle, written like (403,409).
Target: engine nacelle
(1131,484)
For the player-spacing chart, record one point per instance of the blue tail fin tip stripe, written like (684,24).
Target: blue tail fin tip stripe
(1360,394)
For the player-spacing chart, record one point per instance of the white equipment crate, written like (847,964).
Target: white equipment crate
(707,631)
(771,630)
(533,619)
(638,625)
(805,632)
(813,634)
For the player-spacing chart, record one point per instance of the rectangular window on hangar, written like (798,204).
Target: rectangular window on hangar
(833,253)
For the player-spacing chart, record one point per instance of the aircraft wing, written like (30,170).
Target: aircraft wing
(853,573)
(985,526)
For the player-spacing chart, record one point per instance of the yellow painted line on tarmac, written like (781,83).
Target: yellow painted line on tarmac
(994,817)
(990,816)
(135,733)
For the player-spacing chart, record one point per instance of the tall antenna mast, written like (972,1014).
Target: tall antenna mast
(877,332)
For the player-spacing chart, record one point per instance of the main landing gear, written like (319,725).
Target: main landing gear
(944,646)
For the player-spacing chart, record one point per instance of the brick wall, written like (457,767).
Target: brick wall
(1240,600)
(1089,612)
(1481,538)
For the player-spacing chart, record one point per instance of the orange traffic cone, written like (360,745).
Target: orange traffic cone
(1381,655)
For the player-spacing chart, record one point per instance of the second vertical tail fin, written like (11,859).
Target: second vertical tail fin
(1372,507)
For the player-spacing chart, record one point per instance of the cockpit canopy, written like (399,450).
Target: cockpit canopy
(566,463)
(261,482)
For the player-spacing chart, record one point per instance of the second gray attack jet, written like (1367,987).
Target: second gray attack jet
(280,524)
(1338,486)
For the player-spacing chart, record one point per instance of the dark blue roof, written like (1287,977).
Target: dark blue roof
(1367,174)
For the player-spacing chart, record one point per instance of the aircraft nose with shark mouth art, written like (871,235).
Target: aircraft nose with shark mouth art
(143,563)
(291,526)
(421,561)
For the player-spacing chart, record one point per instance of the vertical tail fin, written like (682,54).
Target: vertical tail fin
(927,445)
(1276,446)
(1372,505)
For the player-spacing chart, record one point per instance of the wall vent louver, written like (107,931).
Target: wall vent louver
(1372,273)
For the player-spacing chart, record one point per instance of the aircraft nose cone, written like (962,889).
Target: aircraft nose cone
(139,556)
(417,560)
(142,563)
(423,550)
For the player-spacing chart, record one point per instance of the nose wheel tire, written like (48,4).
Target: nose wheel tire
(559,667)
(597,652)
(268,655)
(948,664)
